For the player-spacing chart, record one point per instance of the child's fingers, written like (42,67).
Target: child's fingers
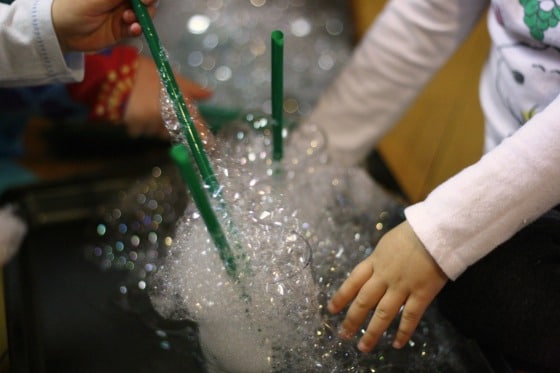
(367,298)
(350,287)
(128,16)
(131,26)
(152,11)
(411,315)
(387,309)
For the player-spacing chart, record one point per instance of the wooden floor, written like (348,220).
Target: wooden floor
(443,131)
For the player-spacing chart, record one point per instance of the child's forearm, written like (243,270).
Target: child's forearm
(484,205)
(394,60)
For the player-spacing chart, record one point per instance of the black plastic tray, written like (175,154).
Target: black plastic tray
(66,315)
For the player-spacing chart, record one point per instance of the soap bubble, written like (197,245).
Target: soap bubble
(299,228)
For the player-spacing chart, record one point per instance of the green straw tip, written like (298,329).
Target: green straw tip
(277,37)
(180,155)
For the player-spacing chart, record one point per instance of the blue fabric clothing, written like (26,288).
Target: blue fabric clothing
(18,105)
(13,175)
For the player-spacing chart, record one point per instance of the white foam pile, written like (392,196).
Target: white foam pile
(296,230)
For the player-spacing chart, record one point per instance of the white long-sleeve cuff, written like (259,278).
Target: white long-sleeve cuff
(478,209)
(31,54)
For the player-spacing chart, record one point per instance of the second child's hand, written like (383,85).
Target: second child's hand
(92,25)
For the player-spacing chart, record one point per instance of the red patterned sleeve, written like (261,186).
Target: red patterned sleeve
(107,83)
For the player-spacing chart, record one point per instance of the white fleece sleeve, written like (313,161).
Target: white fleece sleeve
(29,50)
(408,42)
(466,217)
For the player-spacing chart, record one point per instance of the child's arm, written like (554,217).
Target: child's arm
(143,113)
(36,37)
(402,50)
(399,272)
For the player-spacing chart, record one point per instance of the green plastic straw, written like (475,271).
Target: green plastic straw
(168,78)
(277,94)
(181,156)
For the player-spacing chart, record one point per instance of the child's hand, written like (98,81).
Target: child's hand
(91,25)
(142,114)
(399,272)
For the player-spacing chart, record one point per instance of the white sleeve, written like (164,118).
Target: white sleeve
(466,217)
(29,50)
(408,42)
(11,235)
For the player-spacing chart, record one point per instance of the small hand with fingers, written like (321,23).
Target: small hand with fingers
(400,276)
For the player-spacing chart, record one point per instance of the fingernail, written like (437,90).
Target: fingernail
(363,347)
(397,345)
(344,333)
